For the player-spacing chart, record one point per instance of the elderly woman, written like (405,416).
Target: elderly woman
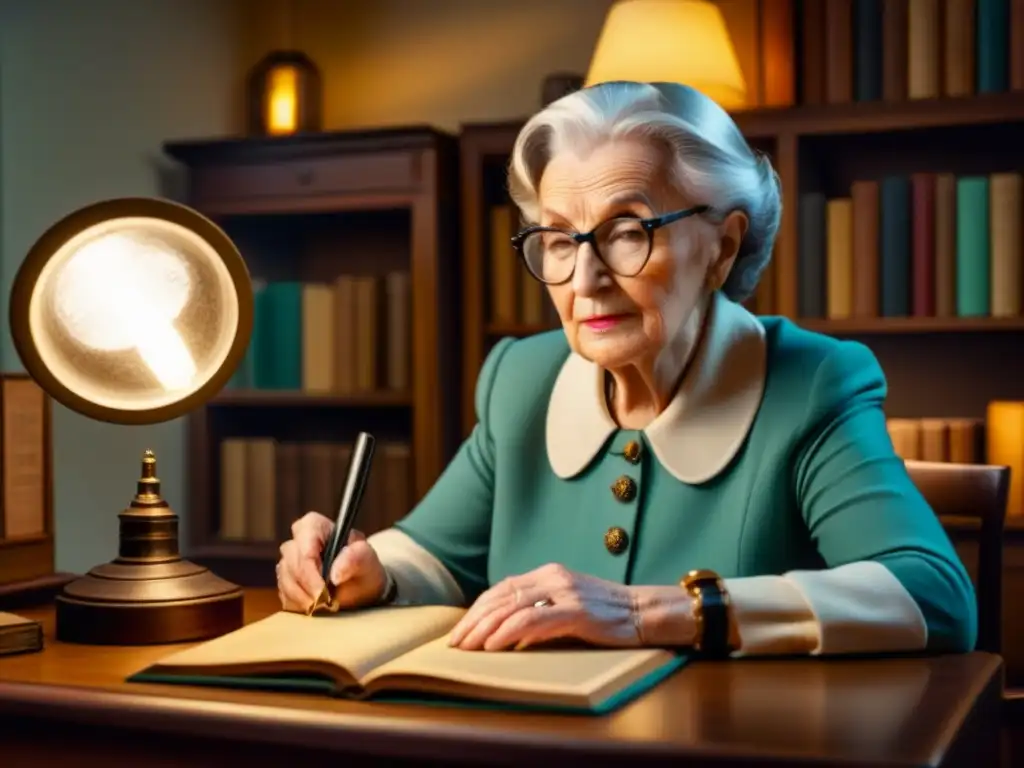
(668,469)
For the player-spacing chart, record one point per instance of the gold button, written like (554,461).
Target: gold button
(616,540)
(632,452)
(624,488)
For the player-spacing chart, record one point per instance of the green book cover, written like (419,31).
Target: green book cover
(992,43)
(972,247)
(278,336)
(400,655)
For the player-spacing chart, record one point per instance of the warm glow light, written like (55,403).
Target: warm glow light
(119,292)
(283,100)
(675,41)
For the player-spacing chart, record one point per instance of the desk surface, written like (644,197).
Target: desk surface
(893,712)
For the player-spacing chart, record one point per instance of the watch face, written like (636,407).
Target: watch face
(700,576)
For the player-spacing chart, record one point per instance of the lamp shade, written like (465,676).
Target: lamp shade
(132,311)
(675,41)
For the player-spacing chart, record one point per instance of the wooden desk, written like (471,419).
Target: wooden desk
(69,706)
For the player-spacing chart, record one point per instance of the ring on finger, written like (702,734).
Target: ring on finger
(542,603)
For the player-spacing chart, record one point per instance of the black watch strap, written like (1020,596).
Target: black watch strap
(711,610)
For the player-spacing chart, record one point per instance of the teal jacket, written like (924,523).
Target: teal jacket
(776,459)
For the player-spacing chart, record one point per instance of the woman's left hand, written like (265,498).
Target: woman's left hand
(578,606)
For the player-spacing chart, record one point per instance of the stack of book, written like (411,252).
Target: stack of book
(346,338)
(927,245)
(960,441)
(998,439)
(266,485)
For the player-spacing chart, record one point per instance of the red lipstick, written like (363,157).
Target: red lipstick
(603,322)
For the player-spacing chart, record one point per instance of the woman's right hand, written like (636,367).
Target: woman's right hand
(357,574)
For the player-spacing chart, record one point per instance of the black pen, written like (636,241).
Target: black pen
(348,508)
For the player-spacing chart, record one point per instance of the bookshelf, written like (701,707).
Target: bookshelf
(353,230)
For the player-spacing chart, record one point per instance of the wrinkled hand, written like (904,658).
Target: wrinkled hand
(357,573)
(580,607)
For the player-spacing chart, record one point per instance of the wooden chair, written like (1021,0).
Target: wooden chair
(974,494)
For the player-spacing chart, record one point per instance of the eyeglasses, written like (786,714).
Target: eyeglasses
(623,244)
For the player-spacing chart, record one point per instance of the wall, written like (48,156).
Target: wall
(446,62)
(88,92)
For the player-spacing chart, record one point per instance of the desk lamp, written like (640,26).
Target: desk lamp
(671,41)
(136,311)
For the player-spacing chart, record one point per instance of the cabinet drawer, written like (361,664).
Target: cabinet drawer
(353,174)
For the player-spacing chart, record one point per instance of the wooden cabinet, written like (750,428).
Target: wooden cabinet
(306,210)
(27,572)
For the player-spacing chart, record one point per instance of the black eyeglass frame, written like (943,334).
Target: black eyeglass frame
(650,225)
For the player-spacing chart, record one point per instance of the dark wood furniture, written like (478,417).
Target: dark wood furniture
(69,706)
(27,567)
(308,208)
(974,494)
(483,158)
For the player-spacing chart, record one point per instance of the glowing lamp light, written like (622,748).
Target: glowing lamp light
(670,41)
(283,100)
(285,95)
(136,311)
(118,292)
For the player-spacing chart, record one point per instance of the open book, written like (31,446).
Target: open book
(402,653)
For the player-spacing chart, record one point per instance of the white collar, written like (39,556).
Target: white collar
(704,425)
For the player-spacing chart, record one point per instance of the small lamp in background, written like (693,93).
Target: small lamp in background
(674,41)
(285,95)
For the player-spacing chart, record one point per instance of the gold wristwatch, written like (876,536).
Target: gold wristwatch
(710,611)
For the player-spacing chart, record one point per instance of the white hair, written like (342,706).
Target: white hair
(713,166)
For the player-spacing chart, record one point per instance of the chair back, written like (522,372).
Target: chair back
(975,495)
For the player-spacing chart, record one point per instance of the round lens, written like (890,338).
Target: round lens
(624,245)
(550,256)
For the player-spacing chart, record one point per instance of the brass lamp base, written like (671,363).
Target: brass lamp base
(148,594)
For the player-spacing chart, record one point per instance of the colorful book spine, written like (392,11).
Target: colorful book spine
(924,245)
(867,37)
(993,43)
(811,255)
(894,199)
(923,238)
(956,441)
(350,336)
(972,246)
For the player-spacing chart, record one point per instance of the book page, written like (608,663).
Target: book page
(354,641)
(578,675)
(14,620)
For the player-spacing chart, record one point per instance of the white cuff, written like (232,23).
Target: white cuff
(420,577)
(855,608)
(772,616)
